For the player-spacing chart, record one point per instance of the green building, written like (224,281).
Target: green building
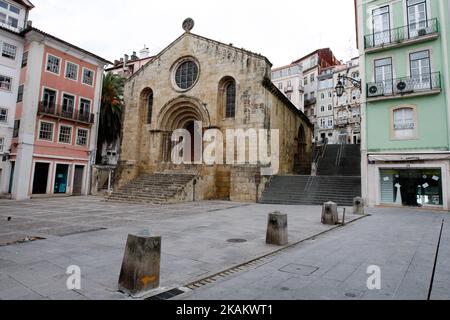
(404,52)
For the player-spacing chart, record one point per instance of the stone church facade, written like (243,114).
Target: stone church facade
(223,87)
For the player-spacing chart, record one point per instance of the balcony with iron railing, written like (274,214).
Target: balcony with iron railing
(341,122)
(412,33)
(59,112)
(418,85)
(289,89)
(10,26)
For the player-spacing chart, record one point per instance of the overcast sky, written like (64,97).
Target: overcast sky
(281,30)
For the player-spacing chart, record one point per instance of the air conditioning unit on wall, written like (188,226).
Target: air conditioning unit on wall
(375,90)
(404,86)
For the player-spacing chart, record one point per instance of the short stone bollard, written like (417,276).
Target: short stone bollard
(141,265)
(277,229)
(358,206)
(330,213)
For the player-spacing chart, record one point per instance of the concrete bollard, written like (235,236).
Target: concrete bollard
(358,206)
(141,265)
(277,229)
(330,214)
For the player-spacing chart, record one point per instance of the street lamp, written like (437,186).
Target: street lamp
(340,86)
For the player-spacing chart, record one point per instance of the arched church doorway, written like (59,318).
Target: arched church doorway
(183,113)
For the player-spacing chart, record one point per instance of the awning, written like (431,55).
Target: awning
(408,157)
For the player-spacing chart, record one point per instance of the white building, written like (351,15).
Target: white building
(13,19)
(347,111)
(312,66)
(324,128)
(338,118)
(289,80)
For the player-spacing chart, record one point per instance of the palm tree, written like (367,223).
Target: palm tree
(111,110)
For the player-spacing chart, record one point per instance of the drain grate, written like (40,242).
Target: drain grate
(166,295)
(72,233)
(230,272)
(237,240)
(21,241)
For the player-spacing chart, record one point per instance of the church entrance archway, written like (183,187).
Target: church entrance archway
(182,113)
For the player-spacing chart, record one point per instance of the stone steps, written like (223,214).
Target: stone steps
(307,190)
(158,188)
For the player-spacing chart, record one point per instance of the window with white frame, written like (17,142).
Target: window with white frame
(72,71)
(322,108)
(88,77)
(9,51)
(330,122)
(46,131)
(2,144)
(3,115)
(404,124)
(330,107)
(9,14)
(322,123)
(85,106)
(53,64)
(5,83)
(65,134)
(68,105)
(14,9)
(280,85)
(82,135)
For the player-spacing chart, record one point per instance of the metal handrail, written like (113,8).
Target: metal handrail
(403,33)
(405,85)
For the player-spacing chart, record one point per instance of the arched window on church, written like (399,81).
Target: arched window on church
(146,105)
(149,108)
(230,111)
(227,98)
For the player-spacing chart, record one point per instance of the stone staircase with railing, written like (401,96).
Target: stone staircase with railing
(157,188)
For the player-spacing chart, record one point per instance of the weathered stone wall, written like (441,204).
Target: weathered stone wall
(142,141)
(256,108)
(288,123)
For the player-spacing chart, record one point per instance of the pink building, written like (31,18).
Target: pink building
(56,118)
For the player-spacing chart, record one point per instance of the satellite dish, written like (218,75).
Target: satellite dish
(188,24)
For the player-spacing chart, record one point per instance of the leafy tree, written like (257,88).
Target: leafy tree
(111,110)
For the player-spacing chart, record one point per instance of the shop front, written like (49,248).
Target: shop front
(408,180)
(411,187)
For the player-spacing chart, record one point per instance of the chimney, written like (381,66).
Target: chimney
(144,53)
(125,63)
(29,24)
(116,62)
(134,57)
